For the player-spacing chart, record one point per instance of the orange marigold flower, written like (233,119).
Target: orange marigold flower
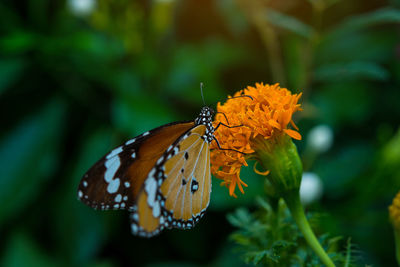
(266,115)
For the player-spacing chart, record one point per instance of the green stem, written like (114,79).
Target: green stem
(292,199)
(397,240)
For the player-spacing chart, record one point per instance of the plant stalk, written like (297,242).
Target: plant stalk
(292,199)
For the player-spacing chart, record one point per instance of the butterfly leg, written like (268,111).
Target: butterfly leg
(221,123)
(229,149)
(226,118)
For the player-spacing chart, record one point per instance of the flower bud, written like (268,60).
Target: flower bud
(279,155)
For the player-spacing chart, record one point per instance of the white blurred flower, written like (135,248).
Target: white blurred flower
(320,138)
(311,188)
(81,7)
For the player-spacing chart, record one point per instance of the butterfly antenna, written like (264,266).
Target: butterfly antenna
(202,96)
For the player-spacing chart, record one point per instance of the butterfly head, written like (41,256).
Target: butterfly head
(205,118)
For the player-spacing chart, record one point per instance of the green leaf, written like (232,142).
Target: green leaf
(28,156)
(359,22)
(350,71)
(256,256)
(289,23)
(241,218)
(348,253)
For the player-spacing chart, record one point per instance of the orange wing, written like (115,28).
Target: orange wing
(116,180)
(177,191)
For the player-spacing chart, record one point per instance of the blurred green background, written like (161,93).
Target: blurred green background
(79,77)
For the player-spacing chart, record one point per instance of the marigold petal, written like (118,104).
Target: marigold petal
(273,123)
(294,125)
(264,173)
(293,134)
(232,188)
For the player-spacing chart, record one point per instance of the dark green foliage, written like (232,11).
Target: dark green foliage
(73,86)
(270,237)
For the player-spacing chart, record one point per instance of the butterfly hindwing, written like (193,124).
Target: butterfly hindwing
(115,181)
(187,185)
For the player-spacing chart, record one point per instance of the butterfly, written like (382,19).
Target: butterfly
(162,177)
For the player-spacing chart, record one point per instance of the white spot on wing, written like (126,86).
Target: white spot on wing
(112,166)
(151,188)
(160,160)
(146,133)
(133,155)
(127,184)
(118,198)
(80,194)
(113,186)
(130,141)
(134,228)
(114,152)
(152,172)
(85,184)
(156,209)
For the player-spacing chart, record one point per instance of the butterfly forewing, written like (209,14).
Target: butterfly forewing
(115,181)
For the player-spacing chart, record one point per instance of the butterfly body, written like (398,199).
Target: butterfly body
(162,177)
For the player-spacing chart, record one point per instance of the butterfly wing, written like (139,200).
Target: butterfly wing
(177,190)
(116,180)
